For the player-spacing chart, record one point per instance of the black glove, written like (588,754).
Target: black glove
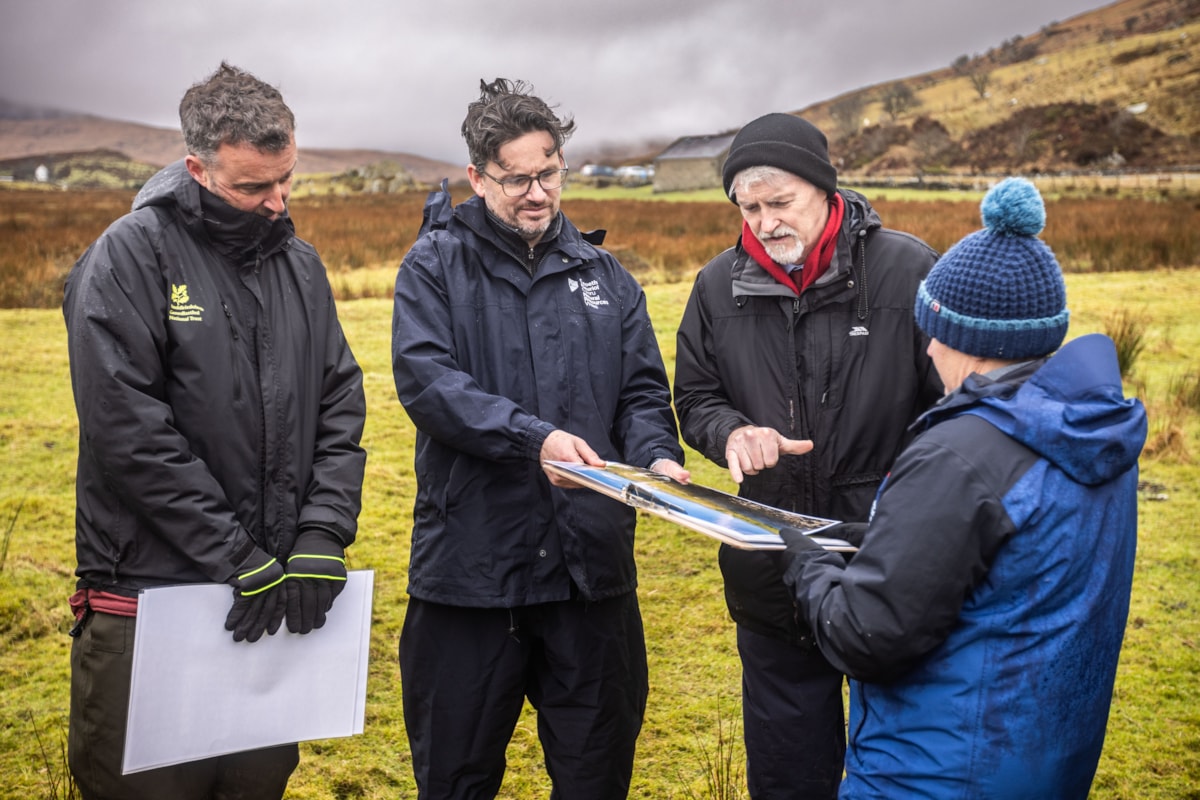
(316,573)
(852,532)
(797,541)
(258,598)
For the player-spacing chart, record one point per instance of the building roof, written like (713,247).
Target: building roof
(709,146)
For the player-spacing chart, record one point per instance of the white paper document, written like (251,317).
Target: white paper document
(196,693)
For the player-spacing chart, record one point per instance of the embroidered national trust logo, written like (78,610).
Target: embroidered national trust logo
(182,309)
(859,330)
(591,292)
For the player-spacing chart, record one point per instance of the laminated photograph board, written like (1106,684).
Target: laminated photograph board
(726,517)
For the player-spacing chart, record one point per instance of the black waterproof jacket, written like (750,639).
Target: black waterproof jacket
(491,356)
(843,364)
(220,408)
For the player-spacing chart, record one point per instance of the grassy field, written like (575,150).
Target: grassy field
(1153,747)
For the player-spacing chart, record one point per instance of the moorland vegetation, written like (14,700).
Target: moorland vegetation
(362,237)
(1132,271)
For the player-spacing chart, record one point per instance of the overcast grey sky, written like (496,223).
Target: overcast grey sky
(396,75)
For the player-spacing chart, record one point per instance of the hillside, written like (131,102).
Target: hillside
(57,139)
(1113,88)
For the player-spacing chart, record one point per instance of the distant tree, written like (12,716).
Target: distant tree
(961,65)
(1022,136)
(847,113)
(980,78)
(897,99)
(931,141)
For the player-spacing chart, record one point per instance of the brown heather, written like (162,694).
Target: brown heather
(43,232)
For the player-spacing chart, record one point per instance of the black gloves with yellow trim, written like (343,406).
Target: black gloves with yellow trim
(316,574)
(259,600)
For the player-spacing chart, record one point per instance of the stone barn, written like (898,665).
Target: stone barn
(693,162)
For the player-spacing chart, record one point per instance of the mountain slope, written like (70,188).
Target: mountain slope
(1115,87)
(157,147)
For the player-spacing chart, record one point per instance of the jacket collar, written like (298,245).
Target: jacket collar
(750,279)
(238,235)
(441,214)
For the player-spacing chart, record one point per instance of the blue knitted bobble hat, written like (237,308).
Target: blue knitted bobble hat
(999,292)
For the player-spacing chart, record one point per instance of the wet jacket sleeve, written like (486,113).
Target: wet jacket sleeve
(902,593)
(115,307)
(706,416)
(441,398)
(334,496)
(644,428)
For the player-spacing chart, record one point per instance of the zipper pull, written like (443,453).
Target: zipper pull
(229,317)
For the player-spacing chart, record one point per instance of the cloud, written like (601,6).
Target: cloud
(379,74)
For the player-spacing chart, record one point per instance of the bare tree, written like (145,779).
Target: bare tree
(897,99)
(847,113)
(980,79)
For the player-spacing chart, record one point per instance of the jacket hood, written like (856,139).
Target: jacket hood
(171,185)
(859,214)
(1071,410)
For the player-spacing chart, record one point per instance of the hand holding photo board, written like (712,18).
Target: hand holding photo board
(731,519)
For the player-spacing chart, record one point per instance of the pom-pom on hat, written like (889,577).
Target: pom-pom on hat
(999,292)
(785,141)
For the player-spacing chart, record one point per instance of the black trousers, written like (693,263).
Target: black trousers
(793,720)
(465,674)
(101,663)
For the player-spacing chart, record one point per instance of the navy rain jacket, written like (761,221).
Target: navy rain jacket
(489,359)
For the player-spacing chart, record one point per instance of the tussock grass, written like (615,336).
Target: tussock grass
(1127,329)
(1186,390)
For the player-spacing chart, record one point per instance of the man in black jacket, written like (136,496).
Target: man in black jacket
(220,413)
(798,367)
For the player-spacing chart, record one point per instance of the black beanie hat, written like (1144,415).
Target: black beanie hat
(785,141)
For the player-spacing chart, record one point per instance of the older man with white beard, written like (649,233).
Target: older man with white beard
(799,368)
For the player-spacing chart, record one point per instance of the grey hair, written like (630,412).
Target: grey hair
(507,110)
(232,106)
(755,174)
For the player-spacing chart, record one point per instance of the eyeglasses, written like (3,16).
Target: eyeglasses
(519,185)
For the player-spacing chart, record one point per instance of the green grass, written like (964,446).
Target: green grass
(1153,746)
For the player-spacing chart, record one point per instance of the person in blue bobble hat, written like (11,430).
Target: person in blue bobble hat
(982,617)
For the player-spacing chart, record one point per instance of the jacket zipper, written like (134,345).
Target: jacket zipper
(269,543)
(237,384)
(793,412)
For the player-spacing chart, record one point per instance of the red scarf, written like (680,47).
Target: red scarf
(818,259)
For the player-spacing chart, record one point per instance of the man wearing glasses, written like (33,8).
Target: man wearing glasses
(516,341)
